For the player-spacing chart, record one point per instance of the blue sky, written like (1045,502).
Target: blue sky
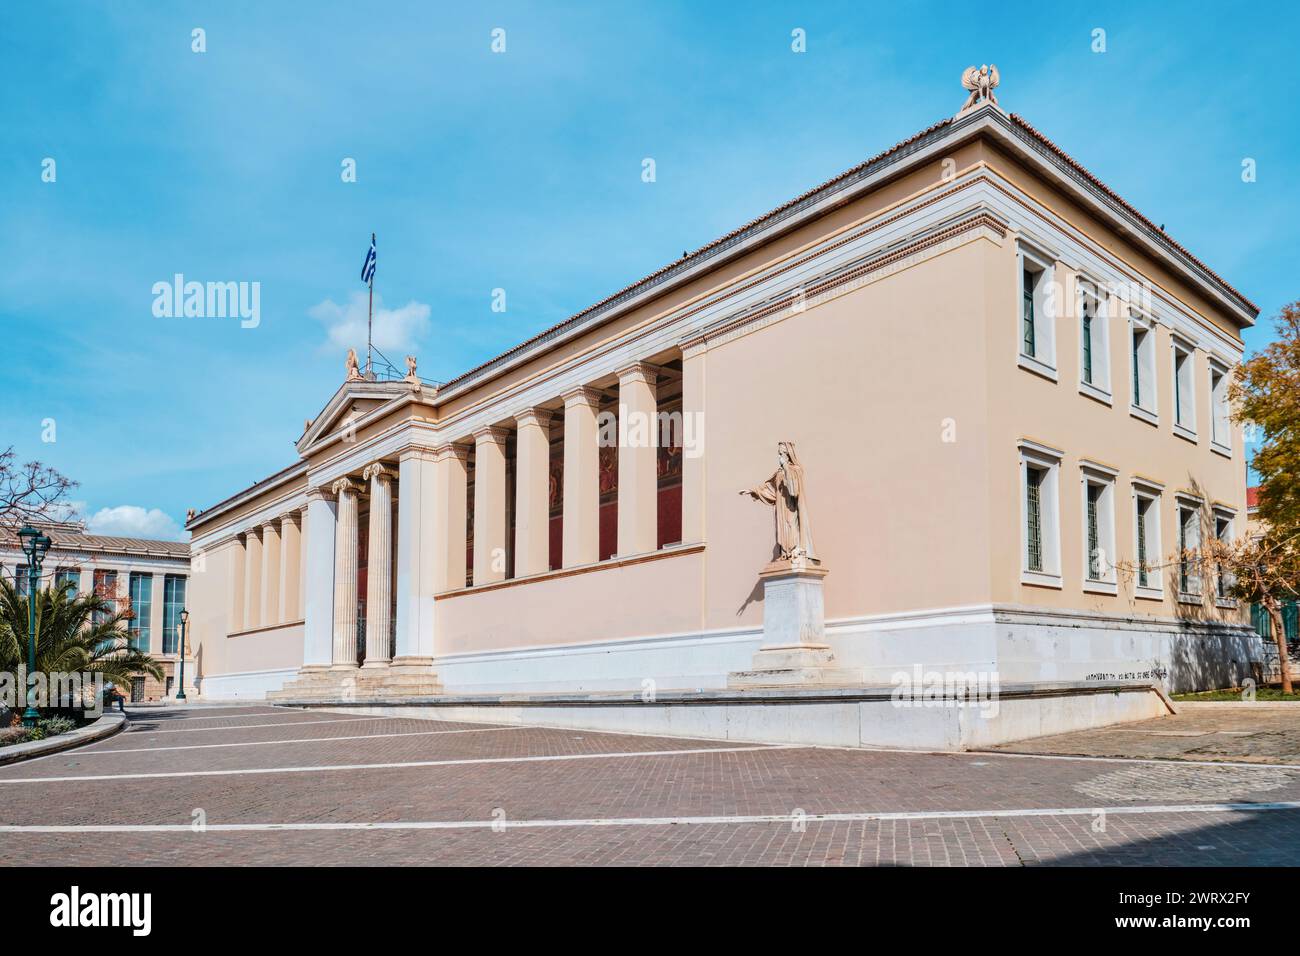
(520,171)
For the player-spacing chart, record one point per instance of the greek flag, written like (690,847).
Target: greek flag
(368,270)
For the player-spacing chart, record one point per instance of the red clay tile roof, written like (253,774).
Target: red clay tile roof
(1076,165)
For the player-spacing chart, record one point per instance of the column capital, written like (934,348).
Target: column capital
(451,451)
(638,372)
(344,485)
(582,395)
(419,452)
(376,472)
(319,493)
(534,416)
(492,434)
(270,524)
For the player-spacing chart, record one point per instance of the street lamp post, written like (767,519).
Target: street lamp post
(185,620)
(35,545)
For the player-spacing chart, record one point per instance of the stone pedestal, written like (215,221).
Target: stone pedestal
(794,649)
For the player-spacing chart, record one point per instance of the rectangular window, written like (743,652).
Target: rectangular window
(21,584)
(1098,527)
(141,586)
(1189,545)
(68,576)
(1223,579)
(1220,424)
(173,604)
(1034,516)
(1142,340)
(1037,314)
(1184,387)
(1040,516)
(1094,342)
(105,582)
(1027,317)
(1146,535)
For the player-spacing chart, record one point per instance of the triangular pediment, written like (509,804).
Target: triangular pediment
(353,400)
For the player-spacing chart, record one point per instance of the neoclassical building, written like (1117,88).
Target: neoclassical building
(1006,386)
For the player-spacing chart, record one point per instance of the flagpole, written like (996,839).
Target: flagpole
(370,318)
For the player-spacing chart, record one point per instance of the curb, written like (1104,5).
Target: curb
(105,726)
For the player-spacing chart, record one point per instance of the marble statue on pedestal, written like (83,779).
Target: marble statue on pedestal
(787,492)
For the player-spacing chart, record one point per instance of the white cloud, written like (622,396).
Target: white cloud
(132,521)
(395,329)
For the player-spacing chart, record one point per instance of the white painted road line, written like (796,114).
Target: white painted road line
(783,818)
(143,715)
(292,723)
(298,740)
(389,766)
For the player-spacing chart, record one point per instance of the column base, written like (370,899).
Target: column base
(378,681)
(375,665)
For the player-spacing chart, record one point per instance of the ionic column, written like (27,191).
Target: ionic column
(638,473)
(489,505)
(345,575)
(693,358)
(318,578)
(418,530)
(252,579)
(532,492)
(270,574)
(581,536)
(449,506)
(379,575)
(290,570)
(238,560)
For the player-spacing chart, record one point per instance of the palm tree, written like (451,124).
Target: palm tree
(75,633)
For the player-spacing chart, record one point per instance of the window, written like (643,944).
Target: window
(1184,389)
(1189,545)
(1098,527)
(1142,341)
(1040,538)
(71,576)
(1094,343)
(1223,579)
(1037,312)
(141,609)
(1220,424)
(105,582)
(1146,539)
(173,604)
(20,580)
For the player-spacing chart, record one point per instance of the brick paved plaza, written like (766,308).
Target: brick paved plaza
(278,786)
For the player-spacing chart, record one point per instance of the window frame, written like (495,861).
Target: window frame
(140,627)
(1191,570)
(1142,359)
(1043,266)
(1034,455)
(1183,371)
(1096,344)
(1096,475)
(1220,413)
(1229,517)
(1153,494)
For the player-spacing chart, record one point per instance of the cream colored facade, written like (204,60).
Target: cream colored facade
(877,323)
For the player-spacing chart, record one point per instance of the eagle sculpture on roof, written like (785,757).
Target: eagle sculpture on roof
(981,82)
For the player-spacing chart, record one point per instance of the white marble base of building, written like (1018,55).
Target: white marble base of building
(833,717)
